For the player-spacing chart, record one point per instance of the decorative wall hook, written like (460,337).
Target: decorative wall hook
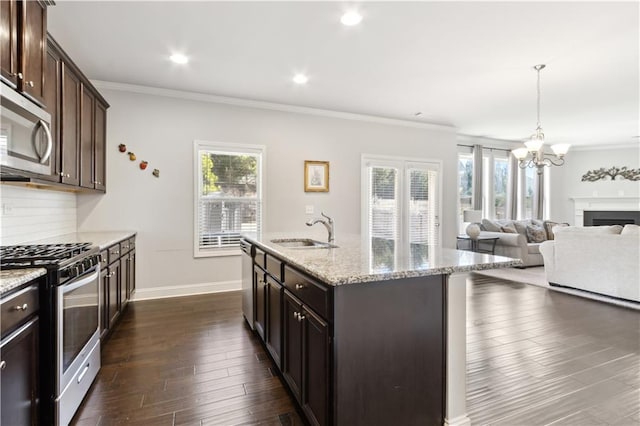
(132,156)
(143,164)
(156,173)
(122,148)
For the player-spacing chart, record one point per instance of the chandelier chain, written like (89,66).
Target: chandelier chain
(538,103)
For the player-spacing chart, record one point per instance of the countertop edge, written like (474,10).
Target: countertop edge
(373,277)
(12,279)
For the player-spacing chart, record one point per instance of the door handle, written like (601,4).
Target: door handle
(47,132)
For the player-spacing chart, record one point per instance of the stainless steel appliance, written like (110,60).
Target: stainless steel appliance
(69,338)
(25,135)
(247,282)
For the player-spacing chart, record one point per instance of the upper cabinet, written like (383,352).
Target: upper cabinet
(78,122)
(23,46)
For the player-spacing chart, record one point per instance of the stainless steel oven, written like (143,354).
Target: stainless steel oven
(77,341)
(25,135)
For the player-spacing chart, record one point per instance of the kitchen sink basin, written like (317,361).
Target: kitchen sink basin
(305,243)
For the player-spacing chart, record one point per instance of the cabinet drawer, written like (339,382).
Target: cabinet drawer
(274,267)
(259,258)
(312,294)
(132,243)
(125,246)
(18,307)
(104,259)
(114,253)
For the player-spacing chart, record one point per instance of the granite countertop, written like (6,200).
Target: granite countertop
(13,278)
(355,261)
(100,239)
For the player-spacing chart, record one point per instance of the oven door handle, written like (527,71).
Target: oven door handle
(80,283)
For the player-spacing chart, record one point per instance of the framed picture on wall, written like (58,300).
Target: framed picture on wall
(316,176)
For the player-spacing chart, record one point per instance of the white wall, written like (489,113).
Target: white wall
(566,180)
(162,129)
(31,214)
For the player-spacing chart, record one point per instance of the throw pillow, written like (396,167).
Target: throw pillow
(548,227)
(521,226)
(490,225)
(630,230)
(508,229)
(536,234)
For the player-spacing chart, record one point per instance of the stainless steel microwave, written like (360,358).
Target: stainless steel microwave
(25,135)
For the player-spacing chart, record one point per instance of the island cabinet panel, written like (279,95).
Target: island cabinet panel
(315,295)
(273,332)
(316,354)
(292,361)
(260,302)
(397,330)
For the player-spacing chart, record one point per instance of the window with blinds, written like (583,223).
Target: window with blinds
(228,199)
(401,208)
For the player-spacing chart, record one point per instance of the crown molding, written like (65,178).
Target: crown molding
(249,103)
(604,147)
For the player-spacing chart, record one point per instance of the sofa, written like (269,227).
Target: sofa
(598,259)
(519,239)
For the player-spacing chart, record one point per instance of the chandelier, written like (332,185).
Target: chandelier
(532,154)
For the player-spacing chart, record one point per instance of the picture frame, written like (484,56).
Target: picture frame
(316,176)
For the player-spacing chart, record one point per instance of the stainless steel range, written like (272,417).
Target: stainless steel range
(69,338)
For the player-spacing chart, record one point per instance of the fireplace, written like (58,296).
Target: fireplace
(600,218)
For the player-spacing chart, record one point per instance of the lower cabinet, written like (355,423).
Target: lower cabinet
(118,283)
(19,359)
(260,302)
(273,332)
(306,368)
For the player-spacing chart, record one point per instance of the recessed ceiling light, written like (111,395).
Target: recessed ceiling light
(417,114)
(351,18)
(300,79)
(179,58)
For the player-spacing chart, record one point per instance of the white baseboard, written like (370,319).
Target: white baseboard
(186,290)
(458,421)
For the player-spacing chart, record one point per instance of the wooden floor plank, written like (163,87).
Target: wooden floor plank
(534,356)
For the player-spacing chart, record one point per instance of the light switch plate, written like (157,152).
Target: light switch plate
(308,209)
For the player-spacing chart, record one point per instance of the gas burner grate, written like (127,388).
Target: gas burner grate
(41,253)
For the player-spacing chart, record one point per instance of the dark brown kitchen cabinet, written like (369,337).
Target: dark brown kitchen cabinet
(87,148)
(53,104)
(19,361)
(9,41)
(23,46)
(306,358)
(273,319)
(70,127)
(113,294)
(260,301)
(100,146)
(119,282)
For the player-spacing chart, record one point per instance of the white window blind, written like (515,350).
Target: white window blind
(228,198)
(401,208)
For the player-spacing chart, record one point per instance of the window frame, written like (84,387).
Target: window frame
(402,164)
(230,148)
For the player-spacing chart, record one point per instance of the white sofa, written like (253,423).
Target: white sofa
(515,245)
(599,259)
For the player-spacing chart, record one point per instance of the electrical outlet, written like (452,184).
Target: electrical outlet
(308,209)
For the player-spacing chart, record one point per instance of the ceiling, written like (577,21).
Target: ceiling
(468,64)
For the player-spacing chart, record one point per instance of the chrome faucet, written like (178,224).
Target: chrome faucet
(327,224)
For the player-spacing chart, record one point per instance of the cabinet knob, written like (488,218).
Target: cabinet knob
(20,76)
(3,365)
(68,175)
(61,174)
(300,286)
(21,308)
(301,317)
(29,83)
(116,252)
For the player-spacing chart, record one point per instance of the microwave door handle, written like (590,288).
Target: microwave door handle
(47,152)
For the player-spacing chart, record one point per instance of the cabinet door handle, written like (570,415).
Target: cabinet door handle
(300,317)
(21,308)
(3,365)
(20,76)
(116,252)
(295,315)
(300,286)
(29,83)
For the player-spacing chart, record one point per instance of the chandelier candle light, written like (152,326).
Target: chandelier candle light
(535,145)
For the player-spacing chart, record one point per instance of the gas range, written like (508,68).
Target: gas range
(69,260)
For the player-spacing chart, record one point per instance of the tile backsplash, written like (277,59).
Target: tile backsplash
(28,214)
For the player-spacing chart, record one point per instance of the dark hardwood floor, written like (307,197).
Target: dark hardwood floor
(186,361)
(534,357)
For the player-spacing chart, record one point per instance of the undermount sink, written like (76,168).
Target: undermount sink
(302,243)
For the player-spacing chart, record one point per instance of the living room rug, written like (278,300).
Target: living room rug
(535,276)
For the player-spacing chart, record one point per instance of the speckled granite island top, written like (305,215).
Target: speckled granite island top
(100,239)
(13,278)
(355,261)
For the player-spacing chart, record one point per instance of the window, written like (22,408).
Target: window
(528,190)
(401,208)
(500,179)
(465,184)
(228,201)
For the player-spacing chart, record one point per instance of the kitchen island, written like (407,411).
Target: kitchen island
(367,332)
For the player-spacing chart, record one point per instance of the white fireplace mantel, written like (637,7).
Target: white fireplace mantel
(582,204)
